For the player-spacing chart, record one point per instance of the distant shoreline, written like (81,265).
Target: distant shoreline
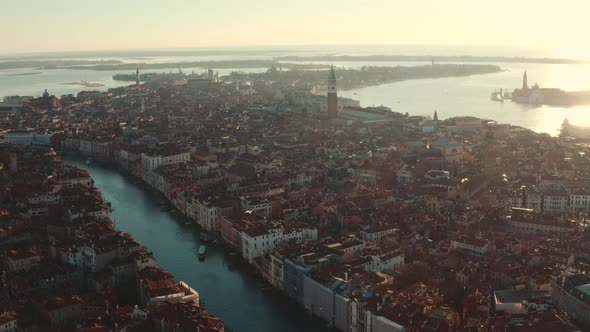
(430,58)
(287,62)
(85,84)
(24,74)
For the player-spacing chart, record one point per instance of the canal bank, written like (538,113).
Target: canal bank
(227,291)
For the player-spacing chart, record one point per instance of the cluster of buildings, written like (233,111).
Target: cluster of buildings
(371,220)
(65,267)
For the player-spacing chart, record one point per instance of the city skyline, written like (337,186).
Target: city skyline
(47,27)
(312,166)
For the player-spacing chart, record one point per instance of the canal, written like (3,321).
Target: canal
(226,290)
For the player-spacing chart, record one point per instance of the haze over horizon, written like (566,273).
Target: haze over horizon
(41,26)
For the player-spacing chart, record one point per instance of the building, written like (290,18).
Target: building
(571,294)
(28,137)
(377,233)
(579,201)
(453,152)
(319,104)
(8,323)
(529,221)
(262,239)
(151,161)
(328,301)
(533,200)
(476,246)
(205,213)
(332,94)
(521,301)
(555,202)
(21,260)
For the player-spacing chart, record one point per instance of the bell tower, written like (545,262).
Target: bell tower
(332,93)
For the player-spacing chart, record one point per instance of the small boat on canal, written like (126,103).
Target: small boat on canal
(202,253)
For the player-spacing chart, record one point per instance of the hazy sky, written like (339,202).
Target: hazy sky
(556,27)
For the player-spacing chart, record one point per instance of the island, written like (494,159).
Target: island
(348,78)
(24,74)
(85,84)
(535,95)
(52,64)
(240,64)
(429,58)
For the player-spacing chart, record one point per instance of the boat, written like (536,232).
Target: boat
(202,252)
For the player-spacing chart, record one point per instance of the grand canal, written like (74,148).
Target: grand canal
(227,291)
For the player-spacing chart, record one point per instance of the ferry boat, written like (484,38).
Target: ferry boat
(202,253)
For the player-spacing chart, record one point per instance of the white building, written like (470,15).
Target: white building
(204,213)
(527,221)
(261,240)
(579,201)
(364,320)
(259,206)
(389,261)
(180,293)
(556,202)
(150,162)
(75,177)
(8,323)
(477,246)
(44,198)
(376,233)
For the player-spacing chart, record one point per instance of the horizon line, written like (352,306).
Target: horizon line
(221,47)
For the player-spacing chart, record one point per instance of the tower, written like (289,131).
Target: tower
(137,78)
(435,119)
(525,84)
(332,97)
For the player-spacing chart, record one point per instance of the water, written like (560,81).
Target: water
(11,83)
(459,96)
(450,96)
(227,292)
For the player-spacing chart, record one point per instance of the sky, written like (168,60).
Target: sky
(553,28)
